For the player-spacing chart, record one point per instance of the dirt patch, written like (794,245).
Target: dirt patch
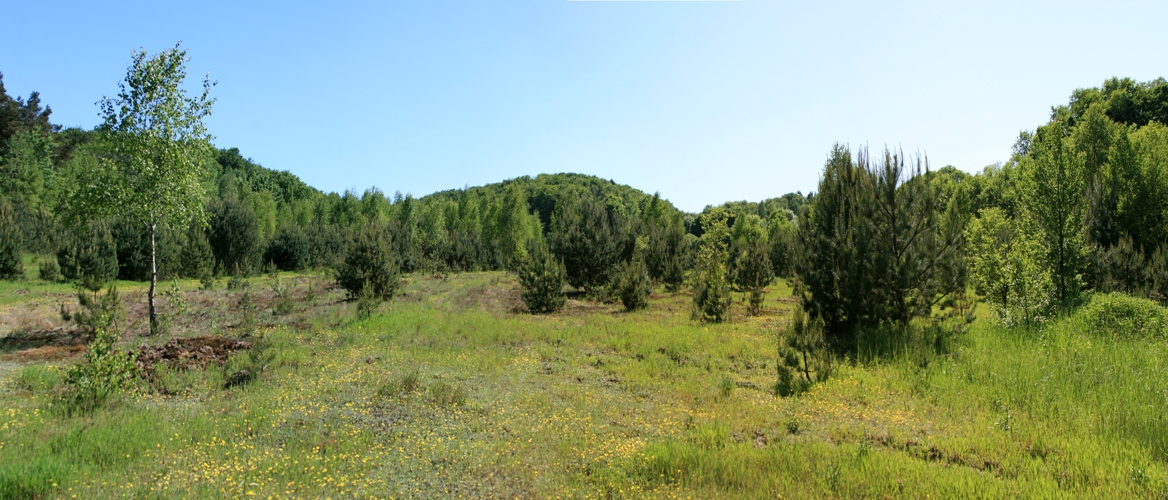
(189,352)
(46,353)
(59,336)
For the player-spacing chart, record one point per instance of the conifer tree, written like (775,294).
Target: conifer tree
(711,299)
(11,244)
(542,279)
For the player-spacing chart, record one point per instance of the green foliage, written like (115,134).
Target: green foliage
(288,250)
(282,302)
(590,238)
(542,278)
(196,259)
(247,312)
(1121,316)
(26,165)
(665,253)
(634,284)
(876,246)
(370,261)
(11,244)
(1006,268)
(803,357)
(1053,187)
(781,238)
(97,310)
(155,168)
(234,237)
(752,270)
(104,371)
(367,302)
(90,259)
(711,285)
(49,270)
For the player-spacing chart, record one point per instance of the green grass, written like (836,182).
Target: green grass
(445,392)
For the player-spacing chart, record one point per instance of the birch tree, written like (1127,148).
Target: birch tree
(154,171)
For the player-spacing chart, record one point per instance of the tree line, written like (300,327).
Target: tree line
(884,243)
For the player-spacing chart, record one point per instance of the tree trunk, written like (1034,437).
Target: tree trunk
(153,281)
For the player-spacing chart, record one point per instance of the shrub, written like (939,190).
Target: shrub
(90,260)
(753,272)
(234,236)
(542,279)
(443,394)
(590,238)
(370,260)
(711,299)
(282,303)
(1117,315)
(11,244)
(803,356)
(49,270)
(196,260)
(104,371)
(634,285)
(288,249)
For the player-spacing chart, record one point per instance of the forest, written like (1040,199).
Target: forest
(892,272)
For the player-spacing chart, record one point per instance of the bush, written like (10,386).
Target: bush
(49,270)
(634,285)
(196,260)
(11,244)
(803,356)
(711,299)
(104,371)
(91,259)
(542,279)
(288,249)
(234,236)
(370,260)
(1117,315)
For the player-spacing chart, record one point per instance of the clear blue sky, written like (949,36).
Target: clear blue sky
(703,101)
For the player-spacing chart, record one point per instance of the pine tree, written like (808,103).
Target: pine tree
(711,299)
(11,244)
(370,263)
(542,279)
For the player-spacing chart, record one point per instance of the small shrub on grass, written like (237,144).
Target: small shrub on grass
(1117,315)
(91,259)
(726,386)
(49,270)
(97,311)
(803,356)
(207,280)
(248,367)
(542,277)
(236,282)
(103,373)
(711,285)
(370,260)
(247,312)
(634,285)
(406,385)
(444,394)
(367,302)
(282,304)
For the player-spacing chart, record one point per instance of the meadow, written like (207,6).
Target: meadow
(450,391)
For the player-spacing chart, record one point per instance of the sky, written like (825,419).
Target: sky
(702,101)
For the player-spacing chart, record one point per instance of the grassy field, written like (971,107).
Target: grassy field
(447,392)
